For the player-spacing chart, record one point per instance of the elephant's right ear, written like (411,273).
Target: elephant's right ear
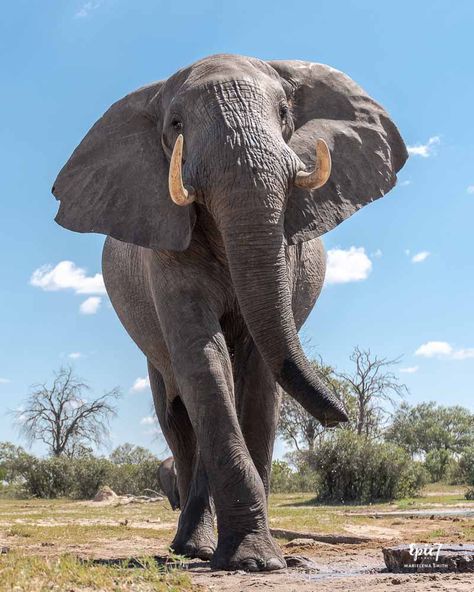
(116,181)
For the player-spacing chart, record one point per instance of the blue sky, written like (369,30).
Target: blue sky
(401,270)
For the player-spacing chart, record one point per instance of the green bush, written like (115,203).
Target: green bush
(13,461)
(354,469)
(285,480)
(466,466)
(439,463)
(134,478)
(81,478)
(88,475)
(281,477)
(48,478)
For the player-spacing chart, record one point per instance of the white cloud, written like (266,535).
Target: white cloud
(75,355)
(421,256)
(87,8)
(405,183)
(91,305)
(470,189)
(443,349)
(409,370)
(433,349)
(377,254)
(140,384)
(4,380)
(425,150)
(350,265)
(67,276)
(149,420)
(463,354)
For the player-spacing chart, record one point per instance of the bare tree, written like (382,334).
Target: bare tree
(63,418)
(372,385)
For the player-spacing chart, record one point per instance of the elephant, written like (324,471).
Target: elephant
(214,188)
(168,482)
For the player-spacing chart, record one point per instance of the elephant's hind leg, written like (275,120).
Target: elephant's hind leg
(258,403)
(195,535)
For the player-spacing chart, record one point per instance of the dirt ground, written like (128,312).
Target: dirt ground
(107,531)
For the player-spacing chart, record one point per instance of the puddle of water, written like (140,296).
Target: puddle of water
(348,573)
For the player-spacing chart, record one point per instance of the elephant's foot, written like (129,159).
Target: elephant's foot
(193,550)
(200,544)
(250,552)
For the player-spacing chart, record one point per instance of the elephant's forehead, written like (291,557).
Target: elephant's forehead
(225,68)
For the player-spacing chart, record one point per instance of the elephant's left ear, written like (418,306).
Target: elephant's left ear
(366,148)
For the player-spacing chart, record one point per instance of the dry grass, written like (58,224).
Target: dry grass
(19,573)
(46,537)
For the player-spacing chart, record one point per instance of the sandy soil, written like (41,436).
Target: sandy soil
(329,567)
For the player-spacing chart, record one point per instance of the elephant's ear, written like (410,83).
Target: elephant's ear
(366,148)
(116,181)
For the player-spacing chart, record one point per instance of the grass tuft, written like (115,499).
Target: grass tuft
(41,574)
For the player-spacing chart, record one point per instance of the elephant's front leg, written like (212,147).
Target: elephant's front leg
(203,372)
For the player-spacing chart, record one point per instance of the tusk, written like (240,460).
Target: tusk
(322,170)
(179,194)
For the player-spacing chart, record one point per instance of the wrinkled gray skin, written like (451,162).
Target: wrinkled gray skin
(213,293)
(168,482)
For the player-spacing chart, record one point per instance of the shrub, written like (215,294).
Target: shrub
(48,478)
(81,478)
(354,469)
(13,461)
(88,475)
(469,495)
(134,478)
(439,464)
(285,480)
(466,466)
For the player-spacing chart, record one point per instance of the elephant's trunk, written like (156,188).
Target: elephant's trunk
(256,256)
(248,211)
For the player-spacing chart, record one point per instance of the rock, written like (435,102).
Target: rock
(105,494)
(4,550)
(423,557)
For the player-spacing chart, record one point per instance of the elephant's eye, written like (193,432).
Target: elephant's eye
(176,124)
(284,111)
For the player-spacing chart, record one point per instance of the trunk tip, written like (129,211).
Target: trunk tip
(333,418)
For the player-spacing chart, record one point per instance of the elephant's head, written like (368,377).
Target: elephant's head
(250,130)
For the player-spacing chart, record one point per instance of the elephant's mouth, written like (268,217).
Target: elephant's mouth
(260,281)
